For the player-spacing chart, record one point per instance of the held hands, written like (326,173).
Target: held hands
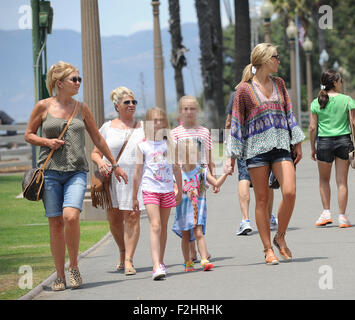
(229,166)
(104,168)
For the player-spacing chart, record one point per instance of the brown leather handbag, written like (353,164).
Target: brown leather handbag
(33,179)
(100,185)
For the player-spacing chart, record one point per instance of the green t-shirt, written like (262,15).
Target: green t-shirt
(333,120)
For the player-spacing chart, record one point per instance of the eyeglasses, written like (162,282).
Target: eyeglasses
(76,79)
(277,56)
(128,102)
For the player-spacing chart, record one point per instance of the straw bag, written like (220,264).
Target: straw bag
(33,179)
(100,185)
(352,153)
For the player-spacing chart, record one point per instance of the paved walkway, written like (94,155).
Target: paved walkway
(323,265)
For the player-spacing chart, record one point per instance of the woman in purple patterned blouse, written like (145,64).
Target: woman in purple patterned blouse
(263,127)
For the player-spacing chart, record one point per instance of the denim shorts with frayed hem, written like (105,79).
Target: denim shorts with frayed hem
(268,158)
(63,189)
(243,173)
(330,147)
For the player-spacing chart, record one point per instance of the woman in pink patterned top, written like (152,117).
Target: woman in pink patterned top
(262,129)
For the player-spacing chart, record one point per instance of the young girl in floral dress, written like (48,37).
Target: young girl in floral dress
(191,214)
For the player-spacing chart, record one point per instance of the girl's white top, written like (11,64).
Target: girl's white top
(121,193)
(157,170)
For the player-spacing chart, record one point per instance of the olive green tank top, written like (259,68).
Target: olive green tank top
(70,156)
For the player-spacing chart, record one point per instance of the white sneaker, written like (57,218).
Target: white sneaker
(158,274)
(344,222)
(244,228)
(273,222)
(324,219)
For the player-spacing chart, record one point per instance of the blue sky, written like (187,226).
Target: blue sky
(117,17)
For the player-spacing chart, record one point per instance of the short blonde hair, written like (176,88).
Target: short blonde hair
(58,71)
(184,98)
(117,94)
(260,54)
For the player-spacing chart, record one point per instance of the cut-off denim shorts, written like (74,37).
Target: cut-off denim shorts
(268,158)
(63,189)
(243,173)
(330,147)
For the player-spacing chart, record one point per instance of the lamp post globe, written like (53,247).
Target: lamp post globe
(267,10)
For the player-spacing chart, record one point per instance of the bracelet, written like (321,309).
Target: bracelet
(115,166)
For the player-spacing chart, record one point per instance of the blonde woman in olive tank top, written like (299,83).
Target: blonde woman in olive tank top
(65,174)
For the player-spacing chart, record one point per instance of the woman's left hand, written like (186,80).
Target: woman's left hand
(297,152)
(120,173)
(178,197)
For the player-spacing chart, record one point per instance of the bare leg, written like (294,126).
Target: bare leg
(57,243)
(201,242)
(131,235)
(164,218)
(341,174)
(72,234)
(115,219)
(324,170)
(259,177)
(185,244)
(153,212)
(244,198)
(271,202)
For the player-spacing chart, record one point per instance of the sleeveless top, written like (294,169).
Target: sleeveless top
(70,156)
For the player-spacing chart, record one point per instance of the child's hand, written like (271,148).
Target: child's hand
(135,205)
(216,189)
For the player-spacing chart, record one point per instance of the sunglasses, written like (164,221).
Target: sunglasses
(276,57)
(76,79)
(128,102)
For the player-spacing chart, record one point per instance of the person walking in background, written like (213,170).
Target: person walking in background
(191,214)
(330,118)
(244,185)
(65,175)
(192,130)
(155,171)
(262,128)
(124,221)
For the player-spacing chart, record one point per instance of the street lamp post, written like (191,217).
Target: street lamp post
(158,59)
(308,46)
(267,10)
(291,33)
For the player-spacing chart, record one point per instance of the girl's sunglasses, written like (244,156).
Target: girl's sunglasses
(127,102)
(76,79)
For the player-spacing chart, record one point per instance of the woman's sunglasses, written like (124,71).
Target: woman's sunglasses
(128,102)
(277,56)
(76,79)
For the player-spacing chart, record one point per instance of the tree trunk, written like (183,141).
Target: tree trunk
(177,59)
(210,31)
(242,37)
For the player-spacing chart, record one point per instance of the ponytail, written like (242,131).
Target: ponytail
(327,83)
(323,98)
(247,74)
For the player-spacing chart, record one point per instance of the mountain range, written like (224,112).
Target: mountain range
(127,61)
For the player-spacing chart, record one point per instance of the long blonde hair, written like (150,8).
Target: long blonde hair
(153,113)
(260,54)
(58,71)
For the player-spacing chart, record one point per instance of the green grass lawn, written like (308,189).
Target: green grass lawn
(24,238)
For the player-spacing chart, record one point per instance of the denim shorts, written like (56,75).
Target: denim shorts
(63,189)
(268,158)
(330,147)
(243,173)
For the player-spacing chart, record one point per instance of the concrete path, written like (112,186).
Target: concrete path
(322,268)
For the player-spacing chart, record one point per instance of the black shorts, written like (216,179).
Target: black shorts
(330,147)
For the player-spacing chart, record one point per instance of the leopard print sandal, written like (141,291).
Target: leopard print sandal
(75,278)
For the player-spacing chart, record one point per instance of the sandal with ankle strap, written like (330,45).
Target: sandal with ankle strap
(285,252)
(270,259)
(130,271)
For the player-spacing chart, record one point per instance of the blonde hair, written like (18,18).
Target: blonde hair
(261,53)
(117,94)
(184,98)
(153,113)
(58,71)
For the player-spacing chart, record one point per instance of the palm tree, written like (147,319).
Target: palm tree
(242,37)
(210,32)
(178,50)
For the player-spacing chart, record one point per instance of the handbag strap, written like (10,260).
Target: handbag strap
(125,143)
(60,136)
(351,123)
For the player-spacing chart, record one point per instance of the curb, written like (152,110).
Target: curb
(37,290)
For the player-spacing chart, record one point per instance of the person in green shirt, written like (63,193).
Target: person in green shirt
(329,119)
